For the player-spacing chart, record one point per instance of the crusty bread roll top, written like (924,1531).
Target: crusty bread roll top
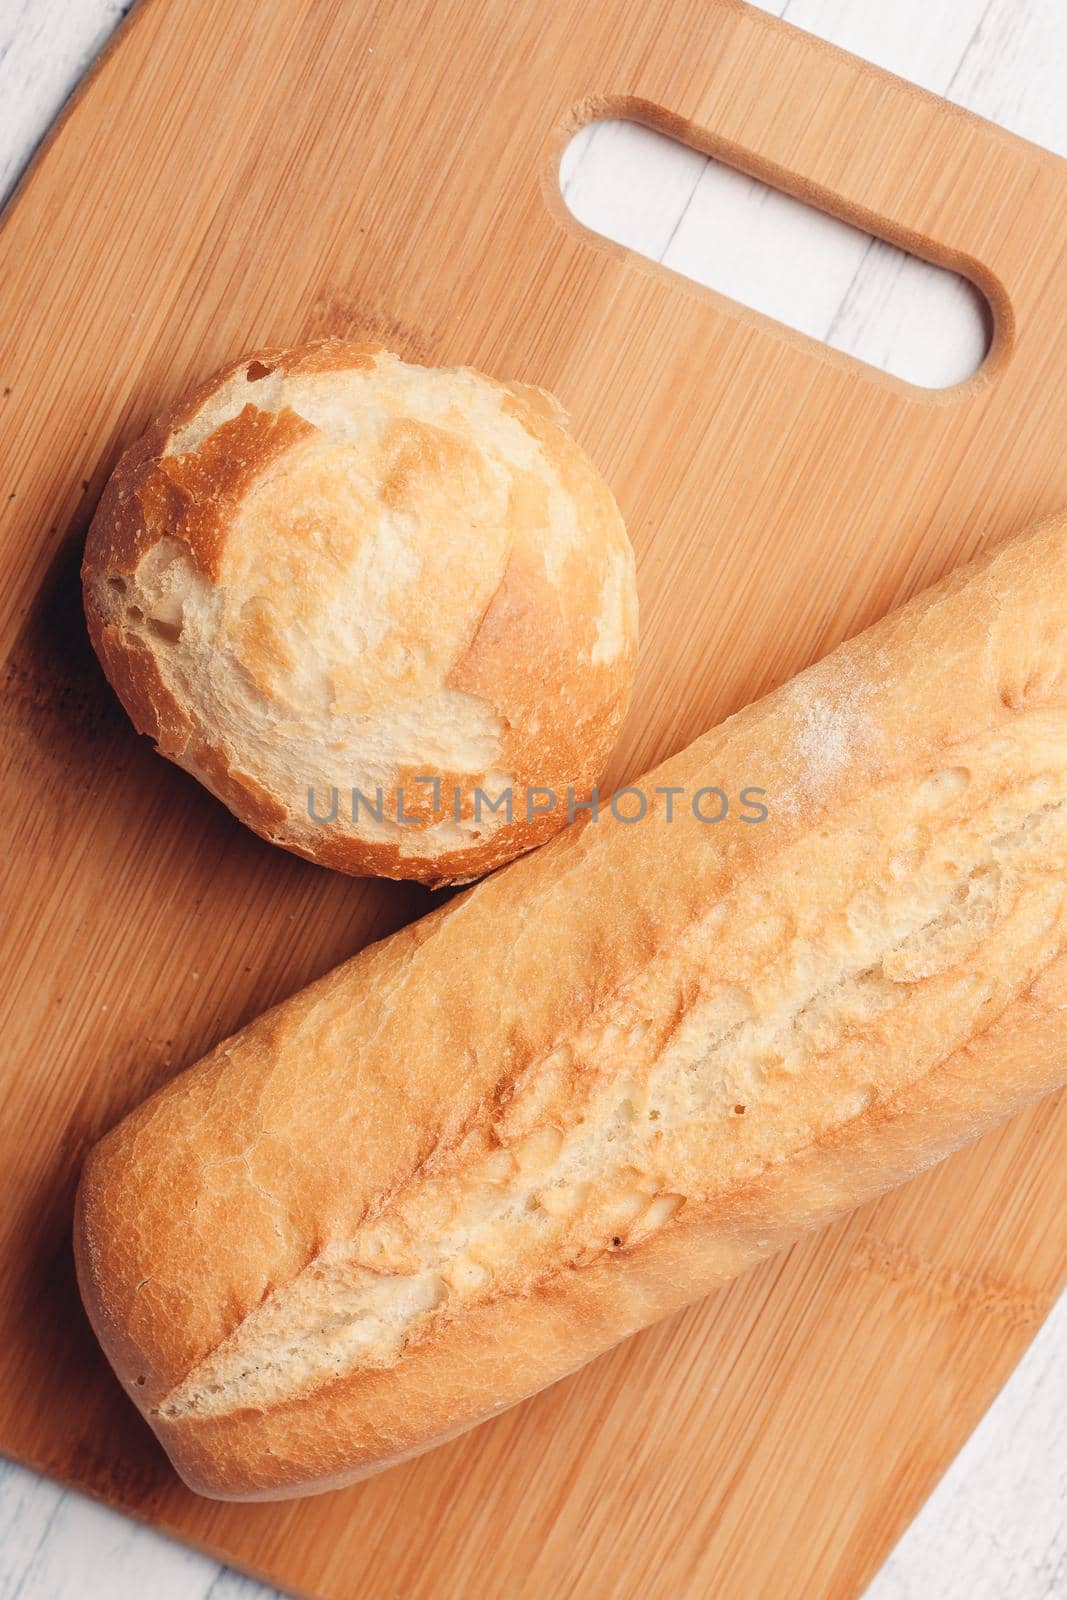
(617,1073)
(331,578)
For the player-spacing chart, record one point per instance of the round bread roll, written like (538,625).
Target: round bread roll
(386,613)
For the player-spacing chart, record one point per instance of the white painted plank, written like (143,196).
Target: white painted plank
(630,184)
(55,1545)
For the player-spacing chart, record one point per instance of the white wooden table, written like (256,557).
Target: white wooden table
(996,1527)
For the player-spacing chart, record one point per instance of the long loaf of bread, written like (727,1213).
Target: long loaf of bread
(615,1074)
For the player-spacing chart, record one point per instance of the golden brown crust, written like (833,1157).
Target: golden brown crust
(326,569)
(916,823)
(364,1423)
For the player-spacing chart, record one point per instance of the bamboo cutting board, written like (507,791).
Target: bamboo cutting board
(252,173)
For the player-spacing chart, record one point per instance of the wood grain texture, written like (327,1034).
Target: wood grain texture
(259,176)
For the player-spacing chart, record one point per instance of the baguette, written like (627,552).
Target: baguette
(615,1074)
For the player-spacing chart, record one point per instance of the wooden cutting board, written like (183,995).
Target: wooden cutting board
(245,174)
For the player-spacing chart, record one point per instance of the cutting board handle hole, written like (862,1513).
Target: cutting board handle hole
(774,254)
